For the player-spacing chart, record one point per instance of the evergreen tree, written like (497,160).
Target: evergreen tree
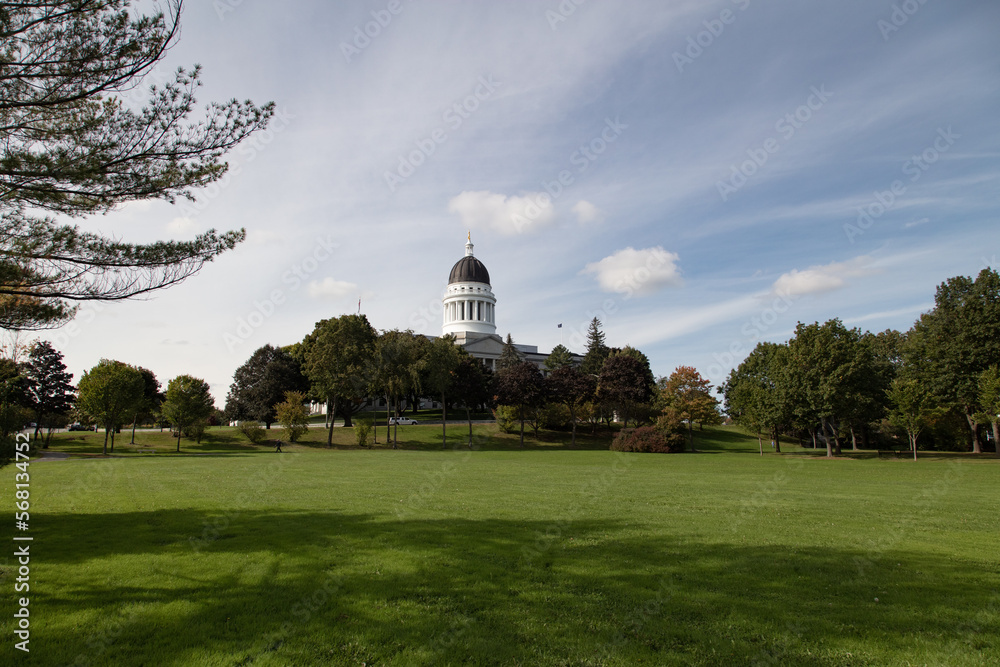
(560,357)
(49,386)
(72,146)
(510,356)
(597,352)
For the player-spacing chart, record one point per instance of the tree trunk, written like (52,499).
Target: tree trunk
(179,432)
(854,440)
(468,416)
(331,409)
(826,438)
(395,427)
(913,444)
(105,440)
(777,442)
(113,439)
(135,418)
(760,443)
(972,428)
(444,422)
(521,414)
(996,437)
(812,432)
(691,435)
(572,417)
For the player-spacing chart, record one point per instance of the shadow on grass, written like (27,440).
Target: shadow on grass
(327,588)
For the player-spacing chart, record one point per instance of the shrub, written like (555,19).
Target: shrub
(645,439)
(292,415)
(554,416)
(363,431)
(195,430)
(507,418)
(252,431)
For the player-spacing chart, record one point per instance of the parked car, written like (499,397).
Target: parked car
(402,420)
(80,427)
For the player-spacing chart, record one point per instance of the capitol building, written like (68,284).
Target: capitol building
(469,313)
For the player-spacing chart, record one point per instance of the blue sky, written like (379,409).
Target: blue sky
(727,169)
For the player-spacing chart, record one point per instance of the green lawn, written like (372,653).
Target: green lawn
(498,556)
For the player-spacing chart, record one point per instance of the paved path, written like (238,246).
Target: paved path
(52,456)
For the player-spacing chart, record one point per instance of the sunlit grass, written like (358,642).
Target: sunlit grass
(498,556)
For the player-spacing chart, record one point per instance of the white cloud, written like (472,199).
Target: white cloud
(329,288)
(182,225)
(587,213)
(825,278)
(506,214)
(637,272)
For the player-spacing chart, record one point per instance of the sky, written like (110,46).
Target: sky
(700,176)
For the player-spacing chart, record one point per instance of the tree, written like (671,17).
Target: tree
(509,356)
(292,415)
(13,398)
(397,368)
(560,357)
(470,386)
(108,393)
(690,395)
(572,388)
(950,347)
(989,401)
(823,377)
(597,352)
(625,382)
(49,386)
(913,408)
(261,383)
(520,386)
(188,402)
(338,355)
(753,393)
(440,362)
(72,146)
(151,399)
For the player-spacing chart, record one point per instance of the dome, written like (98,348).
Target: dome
(469,270)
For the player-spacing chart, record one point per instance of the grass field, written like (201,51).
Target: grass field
(235,555)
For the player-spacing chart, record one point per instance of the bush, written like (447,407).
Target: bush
(253,431)
(554,416)
(363,431)
(292,415)
(195,430)
(646,439)
(507,418)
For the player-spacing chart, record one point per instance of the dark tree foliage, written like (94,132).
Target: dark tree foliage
(470,386)
(337,360)
(624,383)
(74,145)
(573,388)
(49,387)
(13,401)
(261,383)
(509,356)
(950,347)
(108,393)
(521,386)
(754,393)
(560,357)
(597,352)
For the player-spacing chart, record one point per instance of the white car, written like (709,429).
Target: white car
(402,420)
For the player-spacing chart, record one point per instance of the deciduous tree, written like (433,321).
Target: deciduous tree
(260,384)
(574,389)
(338,360)
(108,393)
(690,396)
(188,402)
(520,386)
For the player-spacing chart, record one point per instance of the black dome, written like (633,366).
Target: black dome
(469,270)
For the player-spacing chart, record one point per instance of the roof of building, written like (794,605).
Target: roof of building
(469,270)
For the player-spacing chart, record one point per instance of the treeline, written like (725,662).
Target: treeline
(937,385)
(347,365)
